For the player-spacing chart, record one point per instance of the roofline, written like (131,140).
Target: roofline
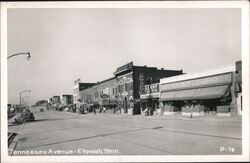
(86,83)
(199,74)
(105,80)
(145,67)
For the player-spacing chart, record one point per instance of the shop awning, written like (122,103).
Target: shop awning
(195,94)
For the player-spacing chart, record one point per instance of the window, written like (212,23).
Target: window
(131,86)
(126,86)
(123,88)
(96,94)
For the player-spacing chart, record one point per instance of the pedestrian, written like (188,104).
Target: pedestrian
(104,109)
(101,109)
(94,110)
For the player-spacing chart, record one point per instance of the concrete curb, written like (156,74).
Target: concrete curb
(13,144)
(170,117)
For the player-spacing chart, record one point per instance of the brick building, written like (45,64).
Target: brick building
(122,91)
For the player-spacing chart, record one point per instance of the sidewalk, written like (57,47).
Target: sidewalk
(172,117)
(12,126)
(165,117)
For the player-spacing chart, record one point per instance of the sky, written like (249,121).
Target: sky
(67,44)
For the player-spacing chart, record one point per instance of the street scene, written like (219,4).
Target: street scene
(56,132)
(124,82)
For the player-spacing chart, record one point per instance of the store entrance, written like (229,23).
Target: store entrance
(210,106)
(125,105)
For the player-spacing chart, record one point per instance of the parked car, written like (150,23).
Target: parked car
(25,116)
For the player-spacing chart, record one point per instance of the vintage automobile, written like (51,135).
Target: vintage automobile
(25,116)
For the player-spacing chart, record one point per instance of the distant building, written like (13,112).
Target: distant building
(54,100)
(77,87)
(67,99)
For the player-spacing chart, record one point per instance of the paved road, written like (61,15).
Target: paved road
(58,133)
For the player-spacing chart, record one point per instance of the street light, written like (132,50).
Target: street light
(20,94)
(28,56)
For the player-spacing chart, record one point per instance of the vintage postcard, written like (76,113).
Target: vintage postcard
(125,81)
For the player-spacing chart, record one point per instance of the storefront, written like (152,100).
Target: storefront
(149,99)
(198,94)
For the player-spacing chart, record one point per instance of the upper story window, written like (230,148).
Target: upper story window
(131,86)
(96,94)
(126,86)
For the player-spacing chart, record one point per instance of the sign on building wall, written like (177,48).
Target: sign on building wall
(211,80)
(125,79)
(142,83)
(154,88)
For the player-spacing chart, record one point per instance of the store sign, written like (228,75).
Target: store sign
(194,83)
(125,79)
(152,95)
(104,96)
(142,84)
(154,88)
(128,66)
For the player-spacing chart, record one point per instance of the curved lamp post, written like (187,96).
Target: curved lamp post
(20,95)
(28,56)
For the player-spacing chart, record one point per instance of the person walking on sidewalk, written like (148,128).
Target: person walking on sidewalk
(104,109)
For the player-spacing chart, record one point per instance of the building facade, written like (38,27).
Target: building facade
(77,87)
(216,91)
(66,99)
(54,100)
(149,98)
(122,92)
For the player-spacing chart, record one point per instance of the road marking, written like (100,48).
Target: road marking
(208,135)
(83,138)
(181,132)
(143,145)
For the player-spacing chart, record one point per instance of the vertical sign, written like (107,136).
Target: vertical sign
(142,83)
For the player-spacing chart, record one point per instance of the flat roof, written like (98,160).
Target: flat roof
(106,80)
(199,74)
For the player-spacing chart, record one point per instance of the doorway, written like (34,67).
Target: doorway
(125,105)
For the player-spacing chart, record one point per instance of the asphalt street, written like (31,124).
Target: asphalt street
(60,133)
